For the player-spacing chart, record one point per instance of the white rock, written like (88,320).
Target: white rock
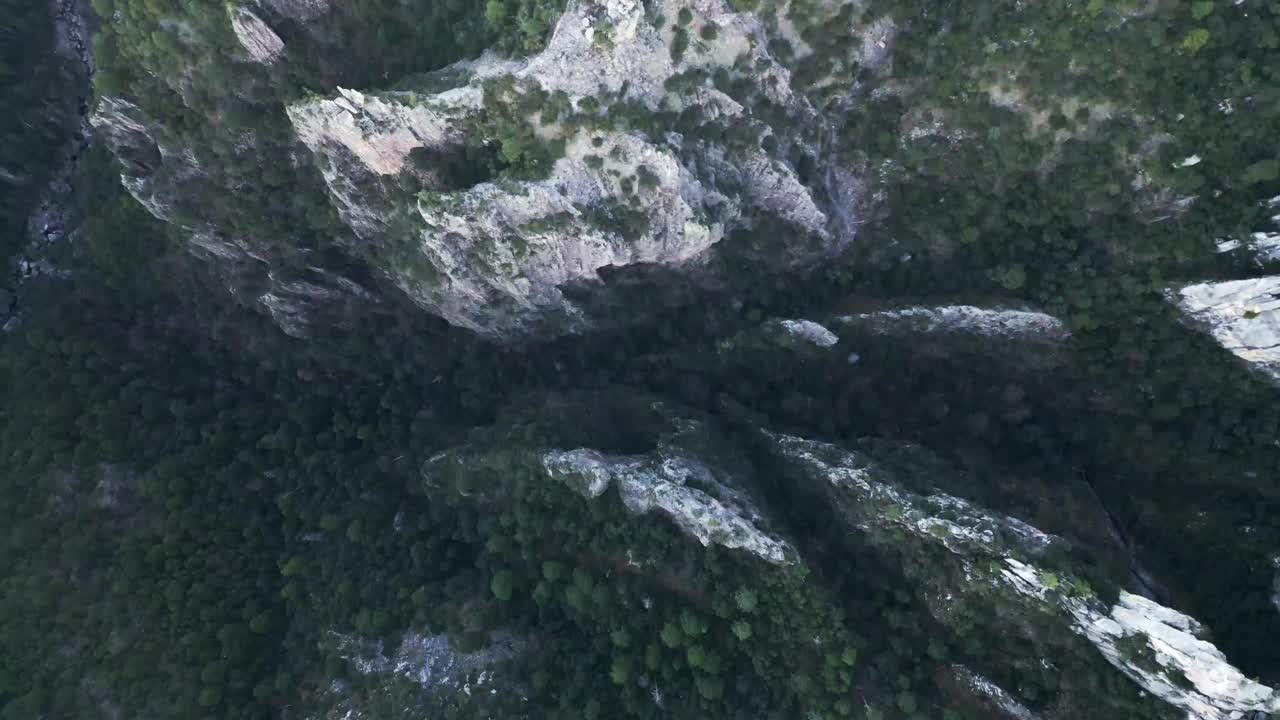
(428,660)
(1264,246)
(1219,691)
(997,695)
(1242,315)
(955,523)
(658,481)
(810,332)
(258,40)
(637,54)
(379,133)
(1213,688)
(962,319)
(1275,583)
(500,275)
(478,260)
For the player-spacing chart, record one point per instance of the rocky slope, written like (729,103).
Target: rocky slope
(651,164)
(971,570)
(1005,565)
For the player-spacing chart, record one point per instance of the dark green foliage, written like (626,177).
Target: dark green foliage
(523,24)
(679,44)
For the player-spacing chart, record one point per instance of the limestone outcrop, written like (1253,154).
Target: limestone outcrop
(620,152)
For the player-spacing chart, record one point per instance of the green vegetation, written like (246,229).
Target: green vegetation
(193,503)
(1048,214)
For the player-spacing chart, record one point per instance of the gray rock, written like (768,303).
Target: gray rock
(681,478)
(810,332)
(1189,673)
(429,660)
(1262,247)
(660,481)
(495,257)
(995,696)
(1001,562)
(259,41)
(988,322)
(1242,315)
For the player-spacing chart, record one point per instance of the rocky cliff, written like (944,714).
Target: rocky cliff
(656,158)
(972,571)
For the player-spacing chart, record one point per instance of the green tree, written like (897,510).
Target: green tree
(502,585)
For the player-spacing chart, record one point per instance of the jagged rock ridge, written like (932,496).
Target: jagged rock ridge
(1159,648)
(495,256)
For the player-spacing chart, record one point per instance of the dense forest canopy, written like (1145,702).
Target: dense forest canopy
(206,516)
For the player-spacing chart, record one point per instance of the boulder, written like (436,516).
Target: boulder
(1242,315)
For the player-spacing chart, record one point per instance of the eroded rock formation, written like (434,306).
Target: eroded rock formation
(622,190)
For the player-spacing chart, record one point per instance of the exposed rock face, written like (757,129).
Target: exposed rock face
(962,319)
(973,570)
(1007,705)
(810,332)
(660,482)
(1220,691)
(167,179)
(1261,247)
(874,502)
(423,675)
(494,256)
(1164,653)
(294,300)
(258,40)
(429,660)
(697,494)
(505,255)
(1265,246)
(1155,646)
(128,131)
(1242,315)
(380,133)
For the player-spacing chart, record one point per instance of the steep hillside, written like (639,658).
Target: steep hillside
(878,359)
